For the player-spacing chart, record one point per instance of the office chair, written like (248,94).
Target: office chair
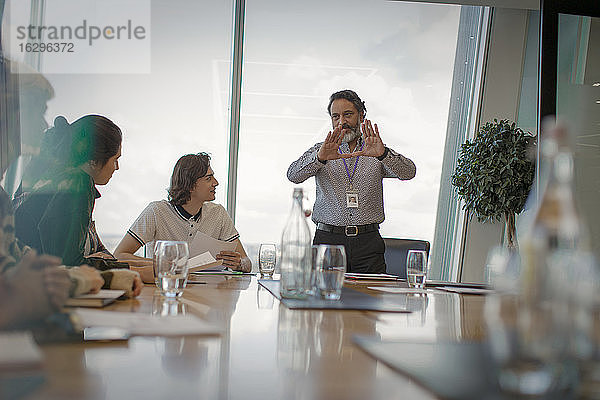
(396,251)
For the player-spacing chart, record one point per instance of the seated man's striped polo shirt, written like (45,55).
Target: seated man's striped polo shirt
(161,220)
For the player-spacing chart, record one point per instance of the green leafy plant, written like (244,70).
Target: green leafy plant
(494,173)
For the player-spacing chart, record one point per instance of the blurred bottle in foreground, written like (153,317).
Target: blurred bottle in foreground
(552,311)
(558,266)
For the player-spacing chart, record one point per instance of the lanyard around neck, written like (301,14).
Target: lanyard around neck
(351,176)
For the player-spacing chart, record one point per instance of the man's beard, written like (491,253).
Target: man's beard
(352,135)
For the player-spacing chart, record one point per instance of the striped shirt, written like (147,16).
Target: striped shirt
(332,182)
(161,220)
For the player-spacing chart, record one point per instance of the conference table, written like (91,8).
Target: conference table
(265,350)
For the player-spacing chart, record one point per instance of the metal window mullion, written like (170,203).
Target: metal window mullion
(462,120)
(475,106)
(36,18)
(239,13)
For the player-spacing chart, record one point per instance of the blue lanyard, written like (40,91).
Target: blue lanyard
(351,177)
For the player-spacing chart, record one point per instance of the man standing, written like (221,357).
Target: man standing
(349,171)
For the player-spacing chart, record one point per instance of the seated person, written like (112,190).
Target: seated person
(188,211)
(33,287)
(54,208)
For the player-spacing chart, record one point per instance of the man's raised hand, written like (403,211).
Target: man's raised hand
(373,146)
(330,148)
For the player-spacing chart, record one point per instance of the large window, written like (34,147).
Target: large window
(177,105)
(397,56)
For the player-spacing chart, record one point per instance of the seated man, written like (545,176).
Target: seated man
(188,211)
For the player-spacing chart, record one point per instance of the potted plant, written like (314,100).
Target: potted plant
(494,174)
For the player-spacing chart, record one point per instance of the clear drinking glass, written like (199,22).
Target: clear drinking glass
(156,250)
(416,268)
(331,267)
(171,266)
(267,258)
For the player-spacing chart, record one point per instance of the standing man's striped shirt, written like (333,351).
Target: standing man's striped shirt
(161,220)
(332,182)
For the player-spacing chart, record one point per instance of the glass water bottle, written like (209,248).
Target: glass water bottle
(296,252)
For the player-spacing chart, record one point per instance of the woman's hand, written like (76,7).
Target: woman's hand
(57,282)
(137,286)
(93,276)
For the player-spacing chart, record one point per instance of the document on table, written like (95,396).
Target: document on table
(466,290)
(144,324)
(100,299)
(370,277)
(398,290)
(19,352)
(203,243)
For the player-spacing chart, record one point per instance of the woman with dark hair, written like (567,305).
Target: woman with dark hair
(188,211)
(54,209)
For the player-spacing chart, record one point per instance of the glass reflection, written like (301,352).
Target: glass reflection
(264,298)
(183,358)
(328,334)
(417,303)
(162,307)
(312,344)
(294,340)
(434,316)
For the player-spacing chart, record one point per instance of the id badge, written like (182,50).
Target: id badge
(351,199)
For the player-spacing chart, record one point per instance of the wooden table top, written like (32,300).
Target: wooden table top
(266,351)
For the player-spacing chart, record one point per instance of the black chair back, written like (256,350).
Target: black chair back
(396,251)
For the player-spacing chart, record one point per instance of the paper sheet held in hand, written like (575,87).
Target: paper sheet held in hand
(203,243)
(204,249)
(204,261)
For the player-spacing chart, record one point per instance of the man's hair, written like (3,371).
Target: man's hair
(187,171)
(351,96)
